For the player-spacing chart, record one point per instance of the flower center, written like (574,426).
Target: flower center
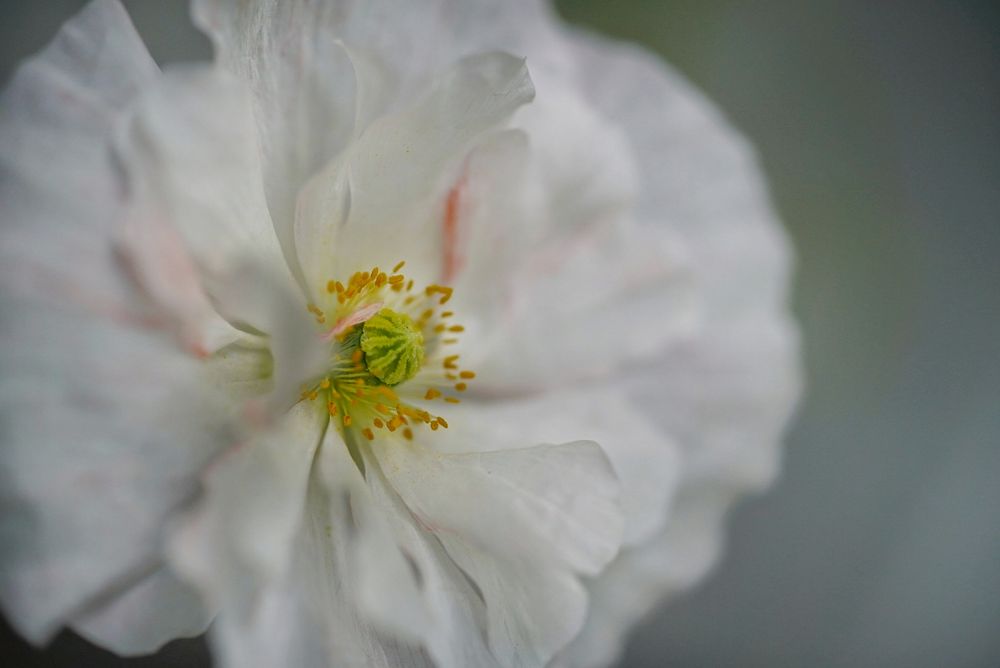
(393,346)
(388,355)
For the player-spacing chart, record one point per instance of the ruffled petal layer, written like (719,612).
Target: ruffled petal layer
(104,419)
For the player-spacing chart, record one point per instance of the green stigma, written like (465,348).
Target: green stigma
(393,346)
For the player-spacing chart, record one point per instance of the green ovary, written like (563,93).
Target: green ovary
(393,346)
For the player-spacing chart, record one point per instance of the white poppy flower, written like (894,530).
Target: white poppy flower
(320,340)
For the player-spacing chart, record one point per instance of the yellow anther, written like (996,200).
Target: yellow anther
(427,315)
(443,290)
(467,374)
(408,434)
(397,279)
(456,328)
(461,387)
(331,286)
(434,426)
(347,420)
(399,266)
(331,408)
(447,314)
(368,434)
(453,400)
(432,394)
(378,423)
(449,362)
(325,383)
(442,422)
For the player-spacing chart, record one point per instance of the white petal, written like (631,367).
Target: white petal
(127,425)
(641,577)
(559,501)
(309,614)
(384,585)
(153,612)
(726,394)
(532,610)
(455,611)
(392,184)
(302,84)
(154,256)
(726,398)
(191,156)
(253,292)
(698,175)
(521,523)
(644,457)
(104,422)
(241,531)
(557,282)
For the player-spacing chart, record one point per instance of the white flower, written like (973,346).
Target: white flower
(242,301)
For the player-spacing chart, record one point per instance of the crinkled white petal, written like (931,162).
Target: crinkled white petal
(240,533)
(455,634)
(156,610)
(645,459)
(302,83)
(556,281)
(383,200)
(640,578)
(522,524)
(192,159)
(698,176)
(725,394)
(104,422)
(532,610)
(326,607)
(126,427)
(254,292)
(560,499)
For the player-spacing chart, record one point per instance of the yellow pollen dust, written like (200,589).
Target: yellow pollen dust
(387,342)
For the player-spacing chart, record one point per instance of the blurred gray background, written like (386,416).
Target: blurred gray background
(878,124)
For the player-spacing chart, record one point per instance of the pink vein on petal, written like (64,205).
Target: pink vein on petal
(452,260)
